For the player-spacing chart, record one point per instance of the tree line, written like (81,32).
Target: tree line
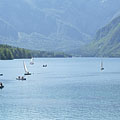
(9,53)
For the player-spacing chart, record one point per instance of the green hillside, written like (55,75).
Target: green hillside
(106,42)
(9,53)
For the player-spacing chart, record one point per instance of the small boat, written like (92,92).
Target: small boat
(32,61)
(26,70)
(45,65)
(20,78)
(1,74)
(1,85)
(102,68)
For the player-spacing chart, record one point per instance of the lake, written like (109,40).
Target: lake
(67,89)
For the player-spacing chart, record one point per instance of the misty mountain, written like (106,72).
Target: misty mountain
(55,25)
(106,42)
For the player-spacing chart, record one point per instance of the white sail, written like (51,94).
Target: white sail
(102,68)
(25,68)
(31,61)
(101,64)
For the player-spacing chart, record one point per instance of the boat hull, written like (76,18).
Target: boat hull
(102,68)
(1,87)
(31,63)
(27,74)
(1,74)
(20,79)
(44,65)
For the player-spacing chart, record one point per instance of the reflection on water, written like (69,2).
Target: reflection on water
(67,89)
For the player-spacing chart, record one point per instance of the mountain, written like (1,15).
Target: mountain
(54,25)
(106,42)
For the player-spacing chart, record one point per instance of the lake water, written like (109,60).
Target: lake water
(68,89)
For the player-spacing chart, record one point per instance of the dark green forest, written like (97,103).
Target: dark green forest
(9,53)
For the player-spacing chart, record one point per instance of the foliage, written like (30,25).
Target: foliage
(9,52)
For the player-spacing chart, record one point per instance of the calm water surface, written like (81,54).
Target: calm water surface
(68,89)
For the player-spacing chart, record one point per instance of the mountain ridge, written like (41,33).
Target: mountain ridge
(57,23)
(107,41)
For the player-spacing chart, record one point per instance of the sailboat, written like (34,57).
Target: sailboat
(45,65)
(1,85)
(1,74)
(102,68)
(26,70)
(32,62)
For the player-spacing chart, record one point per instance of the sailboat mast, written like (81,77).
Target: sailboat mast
(102,68)
(101,64)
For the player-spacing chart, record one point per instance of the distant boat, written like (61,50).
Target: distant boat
(102,68)
(20,78)
(45,65)
(1,85)
(1,74)
(32,61)
(26,70)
